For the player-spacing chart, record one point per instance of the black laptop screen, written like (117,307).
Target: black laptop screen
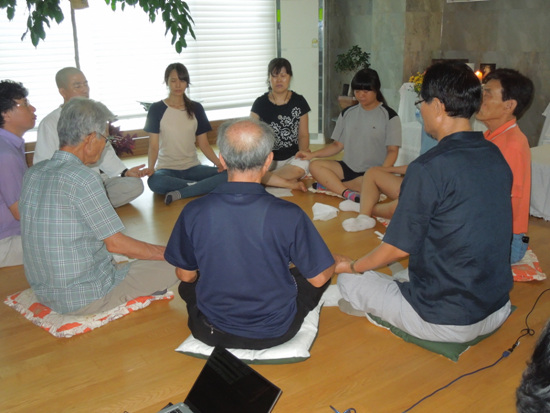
(228,385)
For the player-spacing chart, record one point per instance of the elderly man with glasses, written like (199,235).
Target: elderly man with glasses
(16,117)
(70,229)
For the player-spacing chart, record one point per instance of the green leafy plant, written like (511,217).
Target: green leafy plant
(353,60)
(175,15)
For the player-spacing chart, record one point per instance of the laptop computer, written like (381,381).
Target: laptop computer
(228,385)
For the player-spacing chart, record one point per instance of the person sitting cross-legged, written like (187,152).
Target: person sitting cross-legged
(122,184)
(70,230)
(369,133)
(453,220)
(233,246)
(16,117)
(506,95)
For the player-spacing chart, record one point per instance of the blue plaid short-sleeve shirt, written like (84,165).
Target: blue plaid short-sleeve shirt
(65,216)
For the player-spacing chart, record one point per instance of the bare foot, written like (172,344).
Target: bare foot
(300,186)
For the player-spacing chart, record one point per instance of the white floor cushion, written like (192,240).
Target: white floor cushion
(293,351)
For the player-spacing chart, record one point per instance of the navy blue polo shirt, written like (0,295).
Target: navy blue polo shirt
(454,218)
(242,239)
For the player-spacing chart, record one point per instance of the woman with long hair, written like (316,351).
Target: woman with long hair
(176,125)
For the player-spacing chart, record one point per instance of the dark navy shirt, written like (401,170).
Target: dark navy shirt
(454,218)
(242,239)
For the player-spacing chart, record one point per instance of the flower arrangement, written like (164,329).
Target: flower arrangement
(417,80)
(121,143)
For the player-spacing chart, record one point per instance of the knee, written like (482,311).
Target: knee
(135,187)
(373,172)
(126,193)
(154,182)
(315,166)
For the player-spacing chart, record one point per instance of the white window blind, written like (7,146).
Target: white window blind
(124,56)
(36,67)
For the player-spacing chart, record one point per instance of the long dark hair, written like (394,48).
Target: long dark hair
(183,75)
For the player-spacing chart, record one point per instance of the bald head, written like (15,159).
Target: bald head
(245,144)
(71,83)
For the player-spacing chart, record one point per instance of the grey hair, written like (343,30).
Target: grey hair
(245,143)
(80,117)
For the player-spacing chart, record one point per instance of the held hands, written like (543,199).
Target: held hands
(343,264)
(306,155)
(139,171)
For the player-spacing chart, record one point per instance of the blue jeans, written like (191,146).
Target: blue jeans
(518,248)
(206,178)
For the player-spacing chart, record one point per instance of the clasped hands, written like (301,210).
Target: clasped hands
(343,264)
(139,171)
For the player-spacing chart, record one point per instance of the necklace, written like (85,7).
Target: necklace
(273,100)
(505,130)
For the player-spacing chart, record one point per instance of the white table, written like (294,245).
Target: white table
(545,134)
(410,127)
(540,182)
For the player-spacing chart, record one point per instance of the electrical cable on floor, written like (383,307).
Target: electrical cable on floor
(528,331)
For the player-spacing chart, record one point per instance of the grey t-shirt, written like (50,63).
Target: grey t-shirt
(365,135)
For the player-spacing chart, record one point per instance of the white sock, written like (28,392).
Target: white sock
(349,205)
(361,223)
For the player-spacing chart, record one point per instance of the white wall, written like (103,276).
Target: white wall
(300,45)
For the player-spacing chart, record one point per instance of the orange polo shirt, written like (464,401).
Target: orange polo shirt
(514,147)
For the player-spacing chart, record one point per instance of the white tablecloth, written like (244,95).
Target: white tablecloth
(545,134)
(410,143)
(406,103)
(411,128)
(540,182)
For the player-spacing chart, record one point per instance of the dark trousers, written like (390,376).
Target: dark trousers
(307,299)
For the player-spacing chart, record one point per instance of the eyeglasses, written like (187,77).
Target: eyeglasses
(418,103)
(108,139)
(25,104)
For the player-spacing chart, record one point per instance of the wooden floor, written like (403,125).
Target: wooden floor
(130,364)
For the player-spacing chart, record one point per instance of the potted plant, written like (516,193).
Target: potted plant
(350,62)
(121,143)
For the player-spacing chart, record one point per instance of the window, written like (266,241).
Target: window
(124,56)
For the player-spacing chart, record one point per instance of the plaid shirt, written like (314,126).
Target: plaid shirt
(65,216)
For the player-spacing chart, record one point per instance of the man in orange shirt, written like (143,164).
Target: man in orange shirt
(506,95)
